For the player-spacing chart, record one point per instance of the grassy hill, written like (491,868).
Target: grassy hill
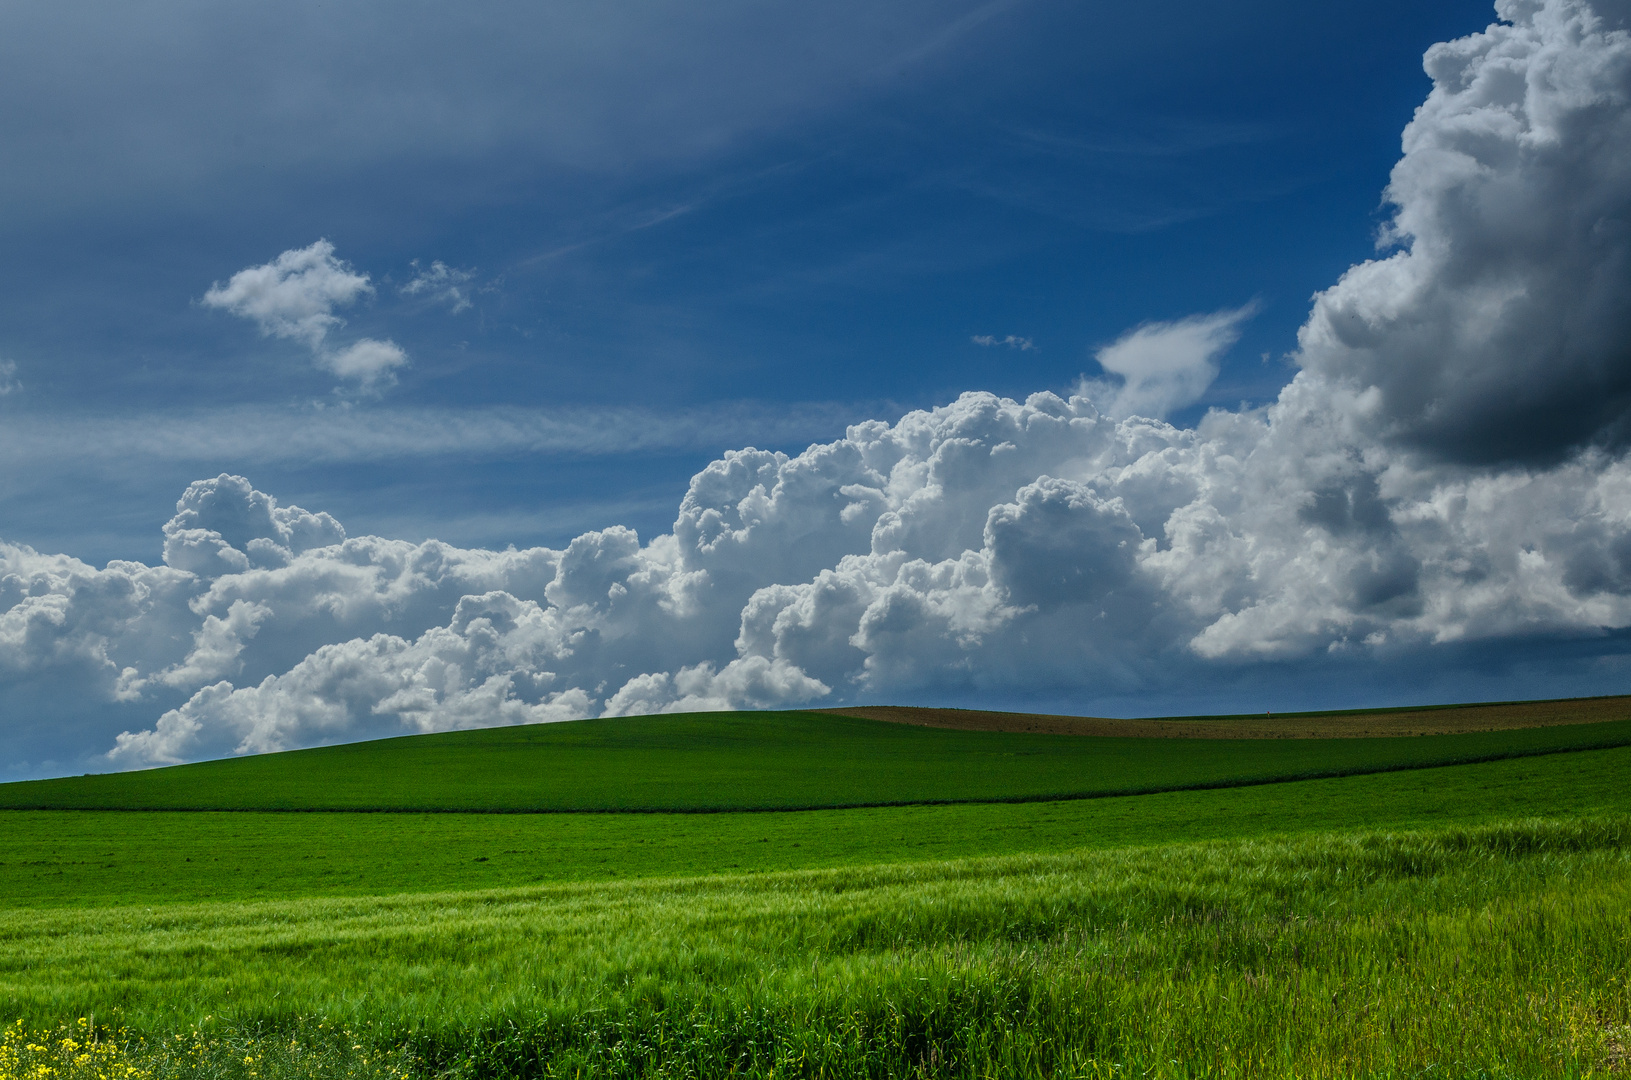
(761,760)
(1402,915)
(1328,724)
(89,858)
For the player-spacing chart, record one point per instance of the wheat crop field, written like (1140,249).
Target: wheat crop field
(1448,905)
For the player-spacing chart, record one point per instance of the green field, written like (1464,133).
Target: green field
(1462,952)
(1416,919)
(734,761)
(103,857)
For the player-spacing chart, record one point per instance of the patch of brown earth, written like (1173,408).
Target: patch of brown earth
(1436,721)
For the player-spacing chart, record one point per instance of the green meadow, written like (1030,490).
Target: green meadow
(748,760)
(1398,917)
(110,857)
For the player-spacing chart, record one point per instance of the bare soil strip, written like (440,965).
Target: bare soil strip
(1439,720)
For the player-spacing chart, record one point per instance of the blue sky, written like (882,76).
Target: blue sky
(574,257)
(808,209)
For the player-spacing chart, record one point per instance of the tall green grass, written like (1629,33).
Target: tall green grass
(766,760)
(1500,950)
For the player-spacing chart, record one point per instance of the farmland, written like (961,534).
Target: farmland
(747,761)
(1497,949)
(1419,918)
(101,857)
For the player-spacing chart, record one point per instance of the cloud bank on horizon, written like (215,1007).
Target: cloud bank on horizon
(1448,465)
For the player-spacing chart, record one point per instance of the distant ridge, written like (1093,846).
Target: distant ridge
(1344,724)
(742,761)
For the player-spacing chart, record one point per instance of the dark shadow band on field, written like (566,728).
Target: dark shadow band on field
(1116,793)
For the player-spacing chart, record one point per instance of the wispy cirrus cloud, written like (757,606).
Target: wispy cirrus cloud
(440,283)
(1009,341)
(343,433)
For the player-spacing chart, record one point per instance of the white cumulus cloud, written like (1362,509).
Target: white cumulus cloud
(1382,510)
(367,361)
(1500,330)
(1164,366)
(295,295)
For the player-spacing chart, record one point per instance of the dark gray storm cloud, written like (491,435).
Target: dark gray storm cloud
(1500,330)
